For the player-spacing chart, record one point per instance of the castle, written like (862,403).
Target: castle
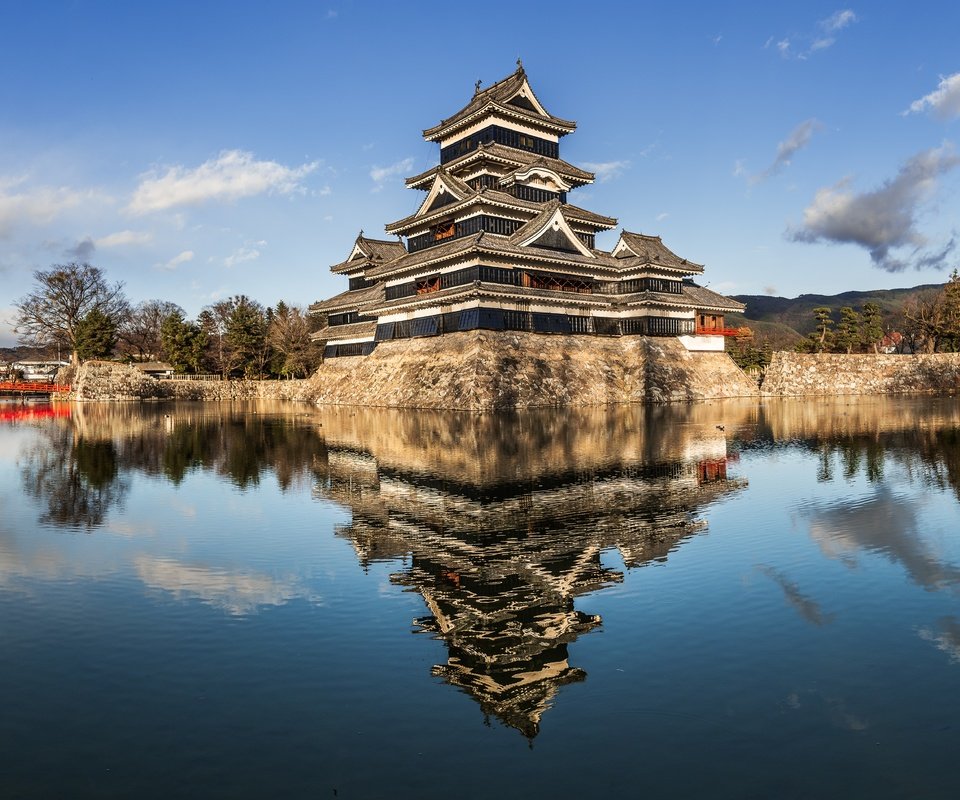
(495,245)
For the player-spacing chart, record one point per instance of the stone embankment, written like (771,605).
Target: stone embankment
(800,374)
(480,370)
(104,380)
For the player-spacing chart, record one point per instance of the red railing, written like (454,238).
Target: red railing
(30,387)
(717,331)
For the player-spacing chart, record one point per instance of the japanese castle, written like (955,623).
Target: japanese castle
(495,244)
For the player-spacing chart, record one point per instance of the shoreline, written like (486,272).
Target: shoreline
(505,375)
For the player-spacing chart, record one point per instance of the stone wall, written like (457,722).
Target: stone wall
(105,380)
(798,374)
(499,369)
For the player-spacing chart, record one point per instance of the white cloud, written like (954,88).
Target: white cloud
(662,216)
(380,175)
(176,261)
(232,175)
(943,102)
(607,170)
(242,254)
(883,219)
(824,36)
(124,239)
(37,205)
(838,20)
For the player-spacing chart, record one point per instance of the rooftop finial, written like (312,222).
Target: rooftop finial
(519,64)
(361,234)
(476,86)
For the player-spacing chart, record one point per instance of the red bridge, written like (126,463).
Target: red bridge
(32,387)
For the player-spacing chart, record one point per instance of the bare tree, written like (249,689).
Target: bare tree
(139,332)
(64,295)
(289,338)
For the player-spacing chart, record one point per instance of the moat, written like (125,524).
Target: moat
(723,599)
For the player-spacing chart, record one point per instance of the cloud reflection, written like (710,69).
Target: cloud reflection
(234,592)
(807,607)
(881,523)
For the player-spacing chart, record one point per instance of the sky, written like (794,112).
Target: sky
(196,151)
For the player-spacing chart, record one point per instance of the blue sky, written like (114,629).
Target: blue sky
(199,150)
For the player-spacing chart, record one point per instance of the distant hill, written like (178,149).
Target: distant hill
(783,318)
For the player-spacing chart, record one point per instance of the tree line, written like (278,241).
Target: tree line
(924,324)
(73,307)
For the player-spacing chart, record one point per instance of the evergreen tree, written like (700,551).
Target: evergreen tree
(821,338)
(246,335)
(847,335)
(95,335)
(183,343)
(871,327)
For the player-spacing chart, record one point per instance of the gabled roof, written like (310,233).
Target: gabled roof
(505,155)
(504,200)
(512,96)
(446,190)
(652,250)
(379,249)
(550,230)
(369,252)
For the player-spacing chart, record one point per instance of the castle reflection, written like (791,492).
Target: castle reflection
(501,526)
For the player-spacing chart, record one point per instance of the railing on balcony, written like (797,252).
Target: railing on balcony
(717,331)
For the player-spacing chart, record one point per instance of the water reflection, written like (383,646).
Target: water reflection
(503,527)
(78,480)
(502,523)
(80,465)
(884,523)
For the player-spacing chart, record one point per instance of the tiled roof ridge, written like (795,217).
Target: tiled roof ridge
(496,150)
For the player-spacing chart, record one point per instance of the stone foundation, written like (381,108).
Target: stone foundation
(498,369)
(798,374)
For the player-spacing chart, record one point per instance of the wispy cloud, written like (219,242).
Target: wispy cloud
(380,175)
(607,170)
(232,175)
(177,260)
(124,239)
(242,254)
(802,46)
(884,219)
(38,205)
(798,138)
(943,102)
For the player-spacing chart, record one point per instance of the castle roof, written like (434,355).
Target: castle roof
(703,298)
(512,97)
(369,252)
(493,197)
(509,156)
(651,249)
(351,300)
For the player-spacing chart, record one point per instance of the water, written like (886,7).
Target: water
(716,600)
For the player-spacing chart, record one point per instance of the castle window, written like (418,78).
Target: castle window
(427,285)
(445,230)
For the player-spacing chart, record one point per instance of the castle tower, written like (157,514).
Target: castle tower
(495,244)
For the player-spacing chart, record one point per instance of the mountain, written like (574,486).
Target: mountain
(787,320)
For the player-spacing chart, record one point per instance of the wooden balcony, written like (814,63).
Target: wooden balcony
(716,331)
